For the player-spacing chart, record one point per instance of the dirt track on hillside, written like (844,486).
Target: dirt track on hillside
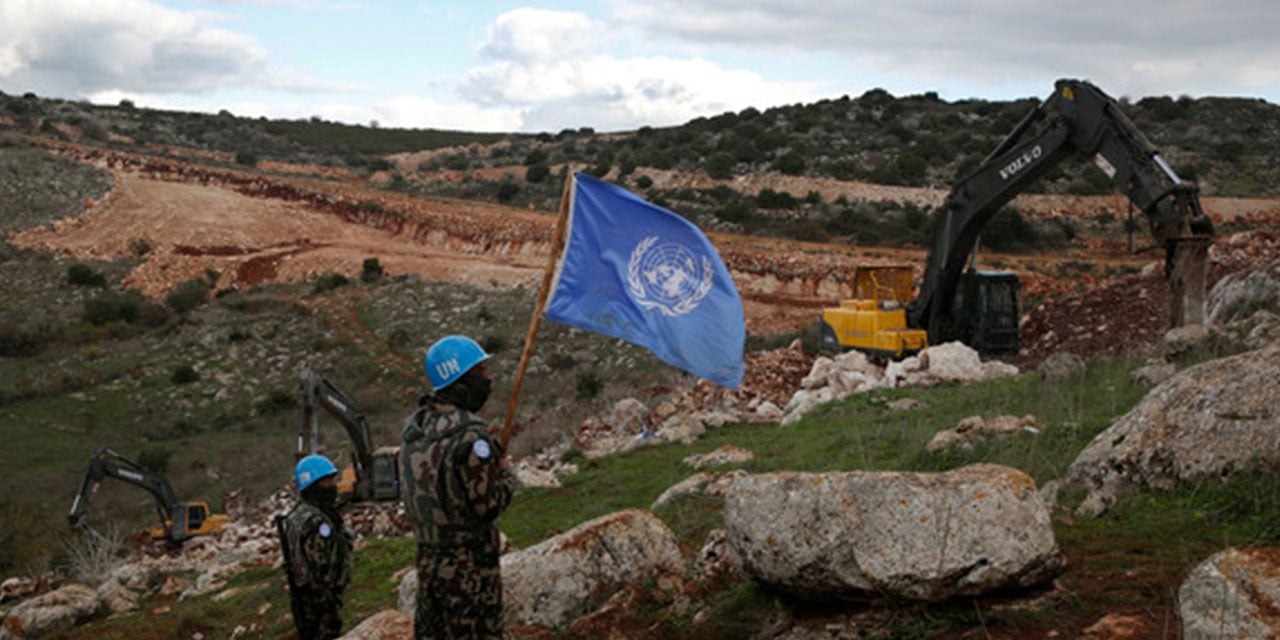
(186,220)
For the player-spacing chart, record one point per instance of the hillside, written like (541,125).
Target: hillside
(162,295)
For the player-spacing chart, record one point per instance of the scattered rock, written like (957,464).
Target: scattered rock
(116,597)
(1203,422)
(53,611)
(1155,371)
(1238,294)
(1232,595)
(921,536)
(579,569)
(1118,626)
(1062,367)
(727,454)
(975,428)
(384,625)
(714,484)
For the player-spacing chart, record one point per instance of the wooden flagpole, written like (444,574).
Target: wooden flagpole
(557,247)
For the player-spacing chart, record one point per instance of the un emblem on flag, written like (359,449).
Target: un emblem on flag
(668,277)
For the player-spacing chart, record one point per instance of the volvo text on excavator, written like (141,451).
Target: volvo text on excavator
(178,520)
(373,474)
(980,308)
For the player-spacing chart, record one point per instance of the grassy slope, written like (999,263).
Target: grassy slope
(1132,560)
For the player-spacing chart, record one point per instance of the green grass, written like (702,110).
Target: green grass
(1114,561)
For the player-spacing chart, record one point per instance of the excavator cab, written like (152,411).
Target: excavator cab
(986,307)
(875,320)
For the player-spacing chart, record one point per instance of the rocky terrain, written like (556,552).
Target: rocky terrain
(174,221)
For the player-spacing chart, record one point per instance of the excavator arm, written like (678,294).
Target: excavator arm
(1077,120)
(370,466)
(109,464)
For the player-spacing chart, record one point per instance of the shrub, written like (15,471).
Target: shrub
(493,343)
(18,342)
(507,191)
(457,162)
(184,374)
(537,173)
(720,165)
(81,274)
(155,459)
(589,386)
(329,282)
(370,270)
(187,296)
(277,401)
(247,158)
(644,182)
(111,306)
(792,164)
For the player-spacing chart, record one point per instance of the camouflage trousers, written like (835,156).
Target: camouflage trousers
(317,616)
(459,592)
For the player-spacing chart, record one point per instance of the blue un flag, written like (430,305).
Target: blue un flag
(640,273)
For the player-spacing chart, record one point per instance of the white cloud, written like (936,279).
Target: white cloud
(1142,47)
(75,48)
(532,70)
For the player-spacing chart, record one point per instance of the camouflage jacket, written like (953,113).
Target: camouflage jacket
(319,550)
(451,477)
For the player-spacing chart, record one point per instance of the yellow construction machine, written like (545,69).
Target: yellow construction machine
(957,301)
(875,320)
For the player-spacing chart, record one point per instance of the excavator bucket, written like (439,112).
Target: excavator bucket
(1187,275)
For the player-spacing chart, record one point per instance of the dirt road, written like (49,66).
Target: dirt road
(185,220)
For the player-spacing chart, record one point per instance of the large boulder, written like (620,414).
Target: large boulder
(1206,420)
(53,611)
(1237,295)
(923,536)
(1232,596)
(558,579)
(946,362)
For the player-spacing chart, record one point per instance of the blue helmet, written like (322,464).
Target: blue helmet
(449,358)
(312,468)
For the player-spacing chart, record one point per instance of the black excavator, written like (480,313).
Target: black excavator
(178,520)
(373,474)
(956,301)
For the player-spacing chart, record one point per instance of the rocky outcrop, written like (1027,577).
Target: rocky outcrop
(727,454)
(554,581)
(704,482)
(923,536)
(851,372)
(53,611)
(1205,421)
(1234,595)
(1238,294)
(1063,366)
(975,429)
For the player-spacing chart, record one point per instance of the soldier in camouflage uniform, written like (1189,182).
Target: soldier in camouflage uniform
(317,551)
(454,483)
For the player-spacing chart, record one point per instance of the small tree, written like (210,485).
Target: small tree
(507,191)
(187,296)
(329,282)
(84,275)
(370,270)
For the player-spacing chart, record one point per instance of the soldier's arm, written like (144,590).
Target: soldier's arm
(321,553)
(487,482)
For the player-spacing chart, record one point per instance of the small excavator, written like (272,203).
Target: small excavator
(980,308)
(178,520)
(373,474)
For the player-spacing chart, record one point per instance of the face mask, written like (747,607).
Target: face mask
(323,498)
(470,392)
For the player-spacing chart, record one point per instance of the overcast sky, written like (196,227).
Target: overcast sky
(547,65)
